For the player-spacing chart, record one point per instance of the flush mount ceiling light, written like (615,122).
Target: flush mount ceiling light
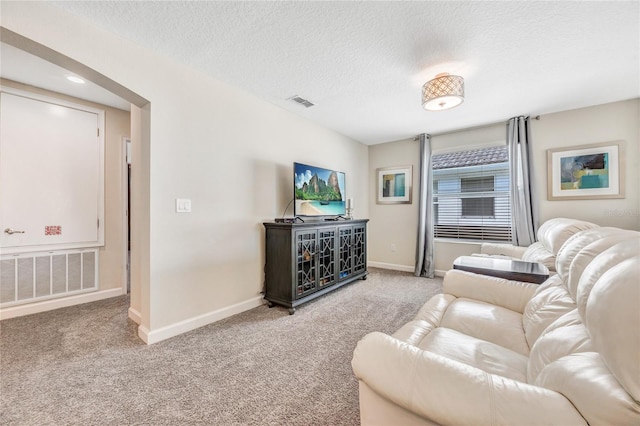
(443,92)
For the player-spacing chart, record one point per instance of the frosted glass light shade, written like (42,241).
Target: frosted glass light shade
(443,92)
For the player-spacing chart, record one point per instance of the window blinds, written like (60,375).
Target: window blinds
(471,202)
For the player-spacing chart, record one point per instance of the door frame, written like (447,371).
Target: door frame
(126,211)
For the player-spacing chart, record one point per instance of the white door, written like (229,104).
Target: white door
(51,174)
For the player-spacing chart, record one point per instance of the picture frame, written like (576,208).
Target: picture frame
(394,185)
(586,172)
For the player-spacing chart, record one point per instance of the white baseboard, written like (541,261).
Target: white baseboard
(135,316)
(403,268)
(154,336)
(391,266)
(51,304)
(439,273)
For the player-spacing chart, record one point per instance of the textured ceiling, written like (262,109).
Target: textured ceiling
(363,63)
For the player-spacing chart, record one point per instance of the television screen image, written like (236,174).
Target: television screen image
(318,191)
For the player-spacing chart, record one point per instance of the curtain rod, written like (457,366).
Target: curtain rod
(482,126)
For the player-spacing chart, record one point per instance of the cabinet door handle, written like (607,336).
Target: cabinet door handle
(12,231)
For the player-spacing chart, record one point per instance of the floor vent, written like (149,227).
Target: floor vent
(31,277)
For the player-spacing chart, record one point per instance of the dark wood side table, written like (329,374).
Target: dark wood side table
(515,270)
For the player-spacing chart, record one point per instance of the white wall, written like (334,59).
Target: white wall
(393,227)
(602,123)
(227,151)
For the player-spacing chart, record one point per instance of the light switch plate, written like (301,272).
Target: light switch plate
(183,205)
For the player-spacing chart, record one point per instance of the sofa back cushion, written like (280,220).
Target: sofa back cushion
(581,249)
(564,337)
(550,302)
(555,232)
(591,353)
(537,252)
(551,236)
(612,317)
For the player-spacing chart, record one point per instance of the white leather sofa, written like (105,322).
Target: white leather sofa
(488,351)
(551,236)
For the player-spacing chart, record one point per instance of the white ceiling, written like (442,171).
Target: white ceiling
(363,63)
(20,66)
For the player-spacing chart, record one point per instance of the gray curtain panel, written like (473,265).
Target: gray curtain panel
(524,206)
(424,250)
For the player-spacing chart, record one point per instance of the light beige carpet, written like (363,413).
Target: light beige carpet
(84,365)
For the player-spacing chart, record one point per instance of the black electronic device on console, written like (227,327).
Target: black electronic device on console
(331,219)
(288,219)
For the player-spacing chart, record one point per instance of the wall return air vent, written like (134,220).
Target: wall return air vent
(297,99)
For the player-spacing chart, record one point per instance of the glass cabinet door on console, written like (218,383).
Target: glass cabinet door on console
(315,261)
(359,248)
(306,262)
(352,245)
(345,253)
(326,257)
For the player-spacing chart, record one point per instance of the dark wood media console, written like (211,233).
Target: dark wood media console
(307,260)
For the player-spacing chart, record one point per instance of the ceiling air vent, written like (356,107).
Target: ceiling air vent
(297,99)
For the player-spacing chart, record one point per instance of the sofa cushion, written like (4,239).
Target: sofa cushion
(444,391)
(550,302)
(428,318)
(512,295)
(611,317)
(537,252)
(551,236)
(477,319)
(434,309)
(555,232)
(586,381)
(581,286)
(506,251)
(578,242)
(595,349)
(567,335)
(488,322)
(479,353)
(589,264)
(601,268)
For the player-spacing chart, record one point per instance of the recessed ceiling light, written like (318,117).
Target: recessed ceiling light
(75,79)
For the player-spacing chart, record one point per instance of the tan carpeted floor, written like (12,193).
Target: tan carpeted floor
(85,365)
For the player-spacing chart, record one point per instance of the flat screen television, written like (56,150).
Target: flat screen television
(318,191)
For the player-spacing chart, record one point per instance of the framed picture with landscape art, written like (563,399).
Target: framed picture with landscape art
(394,185)
(586,172)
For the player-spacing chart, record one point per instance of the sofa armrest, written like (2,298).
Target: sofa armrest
(512,295)
(450,392)
(502,250)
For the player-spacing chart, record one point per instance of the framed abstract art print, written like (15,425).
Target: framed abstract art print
(586,172)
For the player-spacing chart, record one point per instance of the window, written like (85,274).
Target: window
(478,206)
(471,195)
